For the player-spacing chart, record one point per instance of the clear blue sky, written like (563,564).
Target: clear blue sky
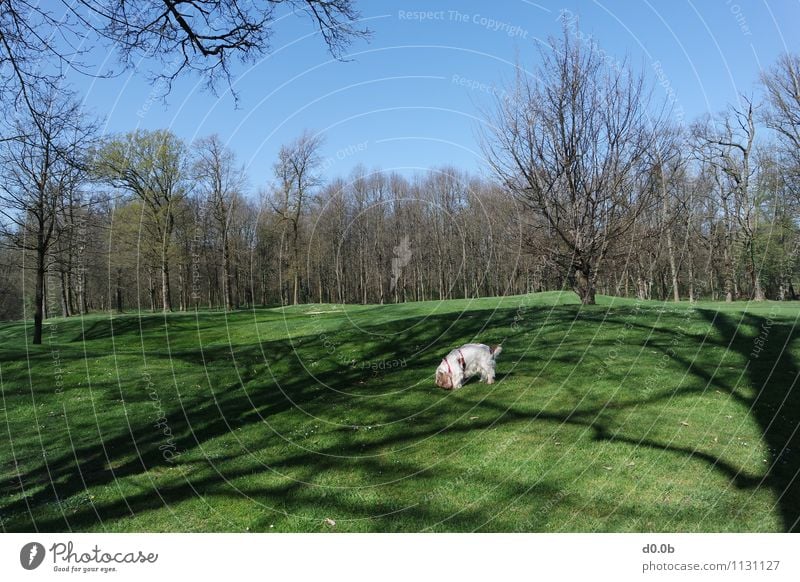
(410,98)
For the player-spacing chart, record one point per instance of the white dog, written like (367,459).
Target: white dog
(464,362)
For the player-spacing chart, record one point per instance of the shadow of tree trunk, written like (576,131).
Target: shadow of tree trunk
(775,402)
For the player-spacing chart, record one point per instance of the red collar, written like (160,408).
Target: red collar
(461,362)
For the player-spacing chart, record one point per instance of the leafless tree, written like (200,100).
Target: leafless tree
(39,41)
(570,141)
(782,112)
(221,182)
(297,172)
(43,166)
(728,145)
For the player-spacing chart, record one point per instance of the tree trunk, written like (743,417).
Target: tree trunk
(65,311)
(83,299)
(38,299)
(690,264)
(729,282)
(673,269)
(758,292)
(166,298)
(119,291)
(151,287)
(339,298)
(226,274)
(584,286)
(181,290)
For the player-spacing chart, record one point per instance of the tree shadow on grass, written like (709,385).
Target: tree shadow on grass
(290,376)
(281,382)
(775,402)
(771,397)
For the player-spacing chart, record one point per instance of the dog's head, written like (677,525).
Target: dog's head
(444,379)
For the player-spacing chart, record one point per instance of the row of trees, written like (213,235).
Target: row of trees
(612,187)
(47,141)
(177,230)
(593,189)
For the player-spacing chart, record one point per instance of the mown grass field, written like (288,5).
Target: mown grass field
(624,416)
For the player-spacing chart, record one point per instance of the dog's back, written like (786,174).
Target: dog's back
(477,352)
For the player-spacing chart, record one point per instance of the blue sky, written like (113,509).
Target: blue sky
(411,97)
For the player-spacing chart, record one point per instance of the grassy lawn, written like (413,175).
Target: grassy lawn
(625,416)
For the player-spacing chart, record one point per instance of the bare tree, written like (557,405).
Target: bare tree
(38,41)
(297,172)
(668,175)
(221,182)
(43,166)
(728,145)
(782,113)
(570,141)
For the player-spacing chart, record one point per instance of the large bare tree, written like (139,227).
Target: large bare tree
(570,140)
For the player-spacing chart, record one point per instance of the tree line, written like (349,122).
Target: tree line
(48,141)
(592,188)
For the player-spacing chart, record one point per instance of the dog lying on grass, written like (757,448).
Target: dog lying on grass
(464,362)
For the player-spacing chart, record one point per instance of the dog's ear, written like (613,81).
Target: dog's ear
(496,350)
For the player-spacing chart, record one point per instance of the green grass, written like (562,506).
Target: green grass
(625,416)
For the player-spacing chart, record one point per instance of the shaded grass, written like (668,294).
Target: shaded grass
(625,416)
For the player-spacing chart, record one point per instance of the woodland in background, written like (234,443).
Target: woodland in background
(378,237)
(596,200)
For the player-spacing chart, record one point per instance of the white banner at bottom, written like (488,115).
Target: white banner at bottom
(390,557)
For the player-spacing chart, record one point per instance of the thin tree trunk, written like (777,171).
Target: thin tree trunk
(71,307)
(151,287)
(181,290)
(758,291)
(166,297)
(83,298)
(673,269)
(64,295)
(226,273)
(119,291)
(729,282)
(38,313)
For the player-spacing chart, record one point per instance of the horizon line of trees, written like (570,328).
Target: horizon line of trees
(193,238)
(47,139)
(593,189)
